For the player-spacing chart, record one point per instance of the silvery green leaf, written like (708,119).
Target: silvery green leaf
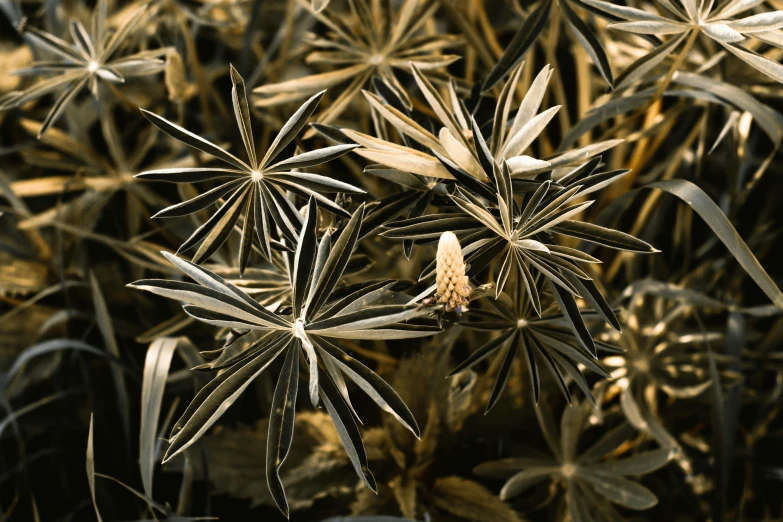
(281,425)
(638,464)
(653,27)
(528,132)
(758,23)
(214,399)
(523,40)
(375,387)
(193,140)
(722,32)
(304,258)
(772,69)
(242,114)
(648,62)
(335,264)
(620,491)
(734,7)
(348,431)
(589,42)
(524,480)
(291,128)
(692,8)
(312,158)
(626,13)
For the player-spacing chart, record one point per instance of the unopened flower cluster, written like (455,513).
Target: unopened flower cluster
(452,285)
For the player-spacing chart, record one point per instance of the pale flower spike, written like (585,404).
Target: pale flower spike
(452,285)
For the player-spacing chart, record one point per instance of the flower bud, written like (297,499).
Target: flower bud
(452,285)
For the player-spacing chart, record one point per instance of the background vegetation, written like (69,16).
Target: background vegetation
(384,260)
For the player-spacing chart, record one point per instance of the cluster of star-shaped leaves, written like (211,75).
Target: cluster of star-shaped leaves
(319,316)
(592,480)
(493,176)
(506,207)
(546,340)
(367,39)
(92,57)
(680,19)
(460,144)
(490,174)
(255,193)
(663,352)
(497,232)
(96,170)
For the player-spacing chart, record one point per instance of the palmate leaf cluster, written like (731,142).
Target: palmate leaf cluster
(255,190)
(314,322)
(91,58)
(352,258)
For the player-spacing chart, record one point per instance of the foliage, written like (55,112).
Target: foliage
(481,215)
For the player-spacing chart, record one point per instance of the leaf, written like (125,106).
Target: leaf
(217,396)
(201,201)
(214,291)
(347,430)
(318,5)
(648,62)
(469,500)
(438,105)
(335,264)
(156,371)
(216,230)
(548,429)
(281,425)
(430,226)
(404,123)
(524,38)
(242,113)
(413,163)
(758,23)
(195,141)
(59,106)
(524,480)
(599,235)
(590,293)
(692,9)
(718,222)
(204,300)
(312,158)
(309,183)
(304,258)
(291,128)
(620,491)
(588,41)
(90,460)
(366,318)
(573,315)
(503,373)
(55,44)
(373,385)
(482,352)
(722,32)
(528,132)
(639,464)
(624,12)
(50,346)
(189,175)
(772,69)
(103,318)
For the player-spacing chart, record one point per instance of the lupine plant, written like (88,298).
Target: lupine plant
(390,260)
